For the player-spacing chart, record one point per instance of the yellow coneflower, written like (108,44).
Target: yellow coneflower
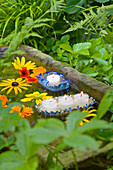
(36,95)
(92,113)
(16,84)
(20,64)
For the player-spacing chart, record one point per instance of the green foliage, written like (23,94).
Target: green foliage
(93,58)
(73,6)
(105,104)
(93,22)
(24,34)
(21,142)
(25,19)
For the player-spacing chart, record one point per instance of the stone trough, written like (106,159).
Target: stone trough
(77,81)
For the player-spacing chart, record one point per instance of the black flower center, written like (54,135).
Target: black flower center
(14,84)
(23,73)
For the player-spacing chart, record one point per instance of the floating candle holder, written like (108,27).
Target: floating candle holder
(53,81)
(62,105)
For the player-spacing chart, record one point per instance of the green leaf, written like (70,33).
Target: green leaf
(52,130)
(45,135)
(74,119)
(8,108)
(102,51)
(101,1)
(73,6)
(97,55)
(10,166)
(90,71)
(109,10)
(9,156)
(19,52)
(2,142)
(110,154)
(25,145)
(81,46)
(9,160)
(50,42)
(83,52)
(1,108)
(33,34)
(80,141)
(104,105)
(67,47)
(101,61)
(91,125)
(65,38)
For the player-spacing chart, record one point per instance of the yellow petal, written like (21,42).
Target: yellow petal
(19,89)
(4,84)
(46,97)
(18,79)
(9,90)
(36,92)
(16,91)
(24,88)
(18,61)
(22,61)
(85,120)
(93,114)
(81,123)
(43,94)
(94,110)
(15,66)
(29,95)
(26,99)
(38,101)
(5,88)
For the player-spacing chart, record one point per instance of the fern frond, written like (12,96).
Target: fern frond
(17,38)
(91,18)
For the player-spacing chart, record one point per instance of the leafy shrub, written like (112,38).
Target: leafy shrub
(93,58)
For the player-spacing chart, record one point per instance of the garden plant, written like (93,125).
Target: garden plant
(80,35)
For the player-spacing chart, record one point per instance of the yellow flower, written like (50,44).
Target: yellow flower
(16,84)
(36,95)
(92,113)
(20,64)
